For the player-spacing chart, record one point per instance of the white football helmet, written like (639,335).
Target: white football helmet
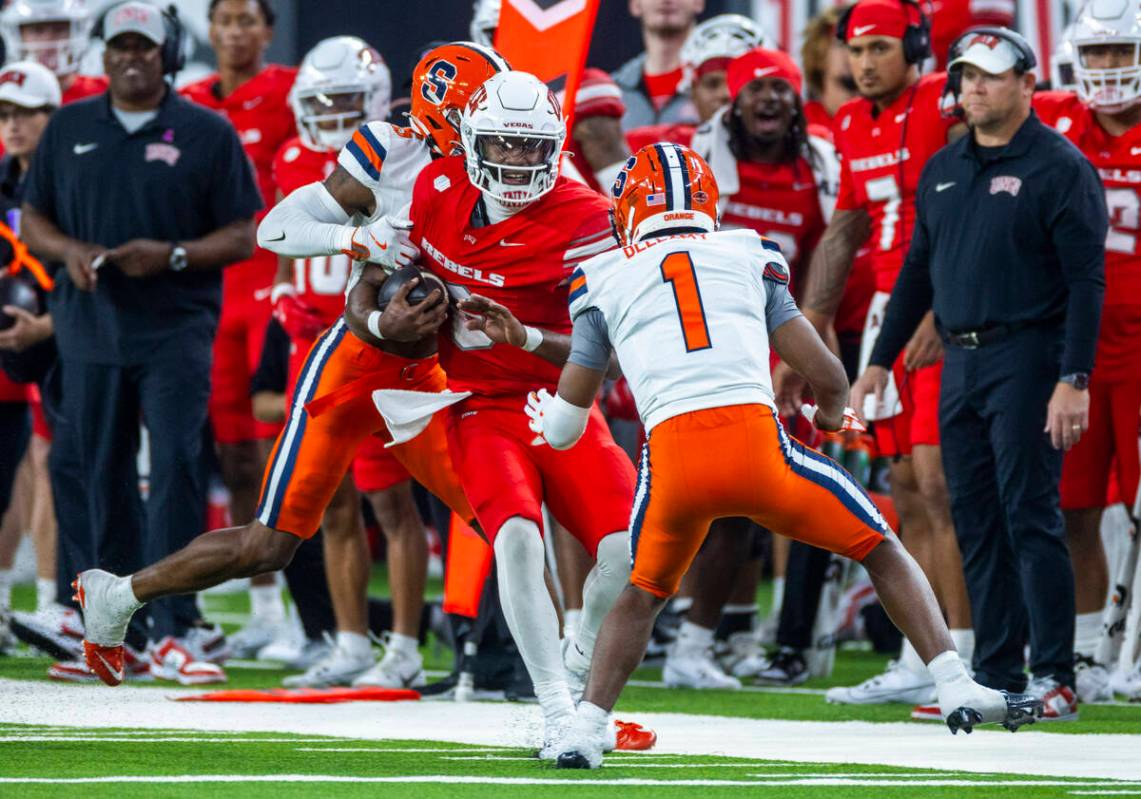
(341,84)
(62,55)
(514,115)
(484,21)
(1108,22)
(723,36)
(1062,64)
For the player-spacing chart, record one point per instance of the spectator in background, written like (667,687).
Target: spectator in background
(950,19)
(254,97)
(55,33)
(651,82)
(827,75)
(136,308)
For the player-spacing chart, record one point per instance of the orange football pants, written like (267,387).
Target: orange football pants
(738,461)
(315,449)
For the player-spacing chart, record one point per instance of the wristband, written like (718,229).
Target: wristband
(534,338)
(374,324)
(563,423)
(280,290)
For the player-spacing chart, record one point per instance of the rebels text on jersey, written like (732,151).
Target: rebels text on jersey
(320,280)
(523,262)
(882,155)
(1118,163)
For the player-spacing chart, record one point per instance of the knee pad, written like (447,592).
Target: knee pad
(614,556)
(518,542)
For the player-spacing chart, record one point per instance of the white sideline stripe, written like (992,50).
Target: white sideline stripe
(473,780)
(382,750)
(5,739)
(1105,793)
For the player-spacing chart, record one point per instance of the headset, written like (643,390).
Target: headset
(916,38)
(1026,58)
(173,50)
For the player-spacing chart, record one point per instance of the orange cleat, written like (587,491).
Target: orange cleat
(633,737)
(105,661)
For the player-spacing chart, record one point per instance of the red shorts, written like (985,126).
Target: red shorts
(1114,417)
(237,349)
(588,488)
(315,449)
(918,423)
(738,461)
(40,426)
(374,468)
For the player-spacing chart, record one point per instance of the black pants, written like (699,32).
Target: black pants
(15,431)
(1002,473)
(103,520)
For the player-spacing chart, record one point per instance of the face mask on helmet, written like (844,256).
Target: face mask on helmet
(328,119)
(1108,75)
(341,84)
(515,169)
(54,33)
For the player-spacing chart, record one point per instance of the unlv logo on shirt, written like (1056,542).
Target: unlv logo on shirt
(1011,185)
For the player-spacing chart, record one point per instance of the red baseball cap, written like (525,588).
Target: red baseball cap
(879,18)
(761,63)
(598,95)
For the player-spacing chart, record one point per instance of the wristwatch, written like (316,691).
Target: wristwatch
(1079,380)
(178,259)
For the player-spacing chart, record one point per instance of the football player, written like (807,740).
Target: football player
(690,313)
(1103,119)
(341,84)
(884,137)
(501,222)
(56,33)
(332,412)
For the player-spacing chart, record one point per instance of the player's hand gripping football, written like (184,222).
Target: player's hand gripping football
(300,321)
(493,320)
(385,242)
(536,403)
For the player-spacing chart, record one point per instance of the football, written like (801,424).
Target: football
(16,292)
(428,283)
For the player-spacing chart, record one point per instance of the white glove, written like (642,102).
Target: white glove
(385,242)
(851,420)
(536,404)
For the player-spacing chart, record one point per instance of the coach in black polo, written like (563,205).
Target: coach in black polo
(144,197)
(1009,250)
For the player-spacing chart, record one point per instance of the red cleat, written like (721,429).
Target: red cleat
(633,737)
(105,661)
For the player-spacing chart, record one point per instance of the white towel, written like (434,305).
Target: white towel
(407,413)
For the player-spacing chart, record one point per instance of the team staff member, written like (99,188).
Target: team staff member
(1008,251)
(136,307)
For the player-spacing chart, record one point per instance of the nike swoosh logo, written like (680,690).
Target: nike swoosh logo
(1134,150)
(538,441)
(761,72)
(81,149)
(944,186)
(860,31)
(383,247)
(117,674)
(276,238)
(511,244)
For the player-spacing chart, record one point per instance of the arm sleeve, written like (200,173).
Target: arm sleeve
(306,223)
(234,194)
(912,295)
(590,341)
(1078,232)
(780,307)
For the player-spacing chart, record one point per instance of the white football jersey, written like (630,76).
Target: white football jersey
(387,160)
(687,317)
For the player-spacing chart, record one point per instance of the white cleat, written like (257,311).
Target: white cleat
(555,728)
(577,666)
(1126,683)
(582,746)
(897,684)
(208,644)
(255,636)
(338,667)
(745,657)
(1091,682)
(696,669)
(105,615)
(396,669)
(965,704)
(172,660)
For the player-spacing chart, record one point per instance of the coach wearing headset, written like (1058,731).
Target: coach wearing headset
(143,197)
(1008,251)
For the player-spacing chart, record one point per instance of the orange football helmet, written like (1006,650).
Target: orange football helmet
(663,186)
(442,83)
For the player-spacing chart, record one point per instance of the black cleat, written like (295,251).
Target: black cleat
(572,760)
(1020,709)
(965,719)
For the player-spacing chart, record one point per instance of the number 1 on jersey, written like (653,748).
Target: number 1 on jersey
(677,270)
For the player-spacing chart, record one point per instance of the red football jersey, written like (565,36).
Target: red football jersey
(523,262)
(320,280)
(84,86)
(950,19)
(882,155)
(816,114)
(1118,162)
(648,134)
(259,111)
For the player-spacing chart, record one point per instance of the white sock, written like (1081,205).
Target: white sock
(266,603)
(778,595)
(519,565)
(964,640)
(947,668)
(610,575)
(591,715)
(955,688)
(693,638)
(5,589)
(353,644)
(1087,632)
(45,593)
(405,644)
(571,618)
(122,592)
(910,660)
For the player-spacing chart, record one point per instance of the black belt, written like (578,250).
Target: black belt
(973,339)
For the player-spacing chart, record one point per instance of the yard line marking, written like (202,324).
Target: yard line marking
(473,780)
(1105,793)
(435,751)
(162,739)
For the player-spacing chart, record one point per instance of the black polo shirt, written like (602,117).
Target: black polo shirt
(1011,236)
(179,177)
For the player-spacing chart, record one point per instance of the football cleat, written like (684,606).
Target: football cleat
(136,668)
(397,669)
(744,656)
(896,684)
(56,630)
(581,745)
(1058,701)
(696,669)
(172,660)
(208,644)
(1020,709)
(555,729)
(338,667)
(633,737)
(926,713)
(786,667)
(1091,681)
(106,662)
(256,635)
